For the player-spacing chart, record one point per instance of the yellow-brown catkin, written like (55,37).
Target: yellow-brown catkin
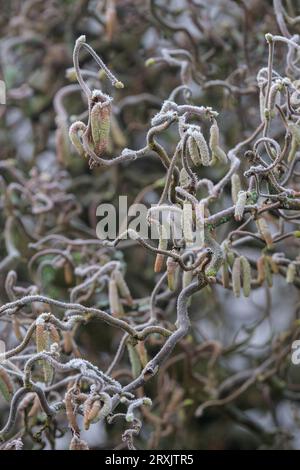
(93,413)
(41,337)
(236,277)
(70,412)
(111,19)
(261,274)
(87,406)
(159,260)
(67,341)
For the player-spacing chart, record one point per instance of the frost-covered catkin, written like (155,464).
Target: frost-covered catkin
(40,336)
(76,130)
(193,151)
(100,124)
(274,98)
(91,412)
(184,178)
(106,405)
(264,230)
(122,286)
(214,143)
(42,344)
(235,187)
(240,206)
(202,147)
(262,104)
(236,277)
(246,276)
(187,223)
(70,412)
(6,385)
(198,148)
(291,273)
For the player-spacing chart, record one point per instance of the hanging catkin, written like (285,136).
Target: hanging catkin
(114,299)
(171,272)
(76,131)
(235,187)
(236,277)
(159,260)
(240,206)
(246,276)
(100,123)
(225,274)
(198,148)
(135,361)
(187,223)
(91,412)
(214,143)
